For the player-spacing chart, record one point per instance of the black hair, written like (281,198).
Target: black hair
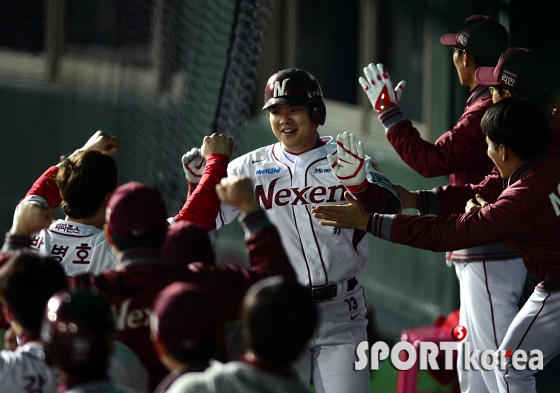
(84,182)
(519,125)
(27,282)
(278,318)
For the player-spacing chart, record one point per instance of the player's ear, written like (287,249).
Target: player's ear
(107,231)
(160,347)
(7,313)
(466,59)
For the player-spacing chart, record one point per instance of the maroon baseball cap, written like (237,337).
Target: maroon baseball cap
(187,242)
(136,209)
(518,70)
(483,37)
(183,317)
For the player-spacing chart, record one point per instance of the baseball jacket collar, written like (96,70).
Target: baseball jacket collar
(525,168)
(322,143)
(477,93)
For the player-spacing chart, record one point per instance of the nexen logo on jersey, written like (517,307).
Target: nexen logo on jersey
(268,171)
(297,196)
(131,319)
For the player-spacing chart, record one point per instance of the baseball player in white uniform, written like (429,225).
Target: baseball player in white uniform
(290,177)
(82,183)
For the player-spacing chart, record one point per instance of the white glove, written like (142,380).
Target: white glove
(193,165)
(350,168)
(379,88)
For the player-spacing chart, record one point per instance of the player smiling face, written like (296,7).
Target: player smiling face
(293,127)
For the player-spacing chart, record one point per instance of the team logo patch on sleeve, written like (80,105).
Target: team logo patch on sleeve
(268,171)
(319,170)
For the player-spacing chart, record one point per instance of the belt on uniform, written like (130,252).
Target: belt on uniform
(329,291)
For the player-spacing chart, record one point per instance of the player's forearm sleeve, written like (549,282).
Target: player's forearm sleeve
(265,249)
(391,117)
(454,151)
(15,242)
(503,221)
(203,205)
(47,188)
(428,202)
(374,198)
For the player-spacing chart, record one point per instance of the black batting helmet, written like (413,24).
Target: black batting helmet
(296,87)
(78,329)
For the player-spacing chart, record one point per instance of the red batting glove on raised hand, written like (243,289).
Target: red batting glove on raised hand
(379,88)
(193,165)
(350,168)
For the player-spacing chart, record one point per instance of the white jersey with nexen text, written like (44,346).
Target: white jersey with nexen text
(288,190)
(79,248)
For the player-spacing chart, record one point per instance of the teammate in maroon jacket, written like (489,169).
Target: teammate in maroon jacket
(526,216)
(142,273)
(486,309)
(459,152)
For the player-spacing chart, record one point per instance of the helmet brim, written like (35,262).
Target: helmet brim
(286,101)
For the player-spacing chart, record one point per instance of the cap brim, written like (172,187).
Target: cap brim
(285,100)
(449,39)
(485,76)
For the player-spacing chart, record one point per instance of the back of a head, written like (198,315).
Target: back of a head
(137,217)
(482,37)
(293,86)
(27,282)
(84,182)
(519,125)
(184,320)
(78,332)
(187,242)
(278,318)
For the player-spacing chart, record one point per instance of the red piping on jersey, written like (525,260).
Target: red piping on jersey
(66,234)
(311,222)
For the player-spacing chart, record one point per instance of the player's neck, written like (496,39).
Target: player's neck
(97,220)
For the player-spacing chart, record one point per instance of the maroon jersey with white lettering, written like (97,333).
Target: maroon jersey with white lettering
(142,274)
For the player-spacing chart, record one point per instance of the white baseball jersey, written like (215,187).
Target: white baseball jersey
(24,370)
(235,377)
(79,248)
(287,191)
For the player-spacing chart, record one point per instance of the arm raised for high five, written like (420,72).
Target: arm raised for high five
(202,205)
(46,187)
(359,175)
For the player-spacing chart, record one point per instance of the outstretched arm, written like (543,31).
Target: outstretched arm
(266,253)
(203,205)
(457,149)
(360,176)
(481,224)
(46,187)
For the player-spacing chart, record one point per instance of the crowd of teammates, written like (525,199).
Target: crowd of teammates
(118,296)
